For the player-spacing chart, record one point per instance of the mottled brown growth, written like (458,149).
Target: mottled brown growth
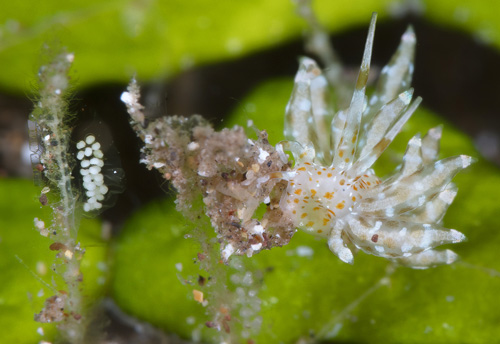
(43,199)
(57,246)
(53,310)
(232,174)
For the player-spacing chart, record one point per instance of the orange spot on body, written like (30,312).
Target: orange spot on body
(342,182)
(320,231)
(316,208)
(340,206)
(331,211)
(341,153)
(296,200)
(355,188)
(319,173)
(313,192)
(303,215)
(310,224)
(298,191)
(329,195)
(329,175)
(353,199)
(301,169)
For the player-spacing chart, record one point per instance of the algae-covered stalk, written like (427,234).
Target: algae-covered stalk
(50,133)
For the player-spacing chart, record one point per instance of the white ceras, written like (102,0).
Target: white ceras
(332,190)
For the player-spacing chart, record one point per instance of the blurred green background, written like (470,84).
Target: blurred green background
(232,61)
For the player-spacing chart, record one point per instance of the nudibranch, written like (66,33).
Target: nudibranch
(332,190)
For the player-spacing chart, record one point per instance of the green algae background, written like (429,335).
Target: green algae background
(21,293)
(113,39)
(301,295)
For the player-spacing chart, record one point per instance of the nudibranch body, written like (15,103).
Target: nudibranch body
(332,190)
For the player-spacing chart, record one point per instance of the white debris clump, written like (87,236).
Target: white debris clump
(91,163)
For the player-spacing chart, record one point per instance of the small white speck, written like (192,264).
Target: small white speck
(304,105)
(127,98)
(256,247)
(193,146)
(257,229)
(228,251)
(304,251)
(87,151)
(80,155)
(98,154)
(262,156)
(178,266)
(406,247)
(450,298)
(103,189)
(94,169)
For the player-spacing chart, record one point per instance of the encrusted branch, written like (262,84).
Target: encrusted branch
(49,121)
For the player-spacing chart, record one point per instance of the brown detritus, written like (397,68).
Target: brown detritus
(231,173)
(375,237)
(211,324)
(201,280)
(53,310)
(198,296)
(57,246)
(43,199)
(225,325)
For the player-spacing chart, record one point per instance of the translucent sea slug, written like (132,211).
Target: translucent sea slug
(332,190)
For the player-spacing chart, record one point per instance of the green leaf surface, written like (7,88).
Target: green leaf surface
(114,39)
(26,260)
(307,291)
